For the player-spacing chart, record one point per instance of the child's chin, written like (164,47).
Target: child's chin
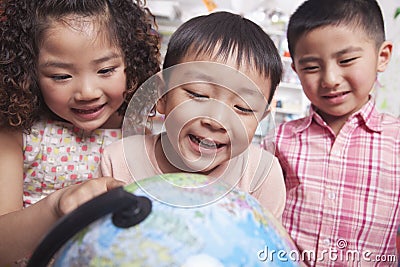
(203,167)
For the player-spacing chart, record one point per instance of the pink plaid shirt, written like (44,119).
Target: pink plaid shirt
(343,191)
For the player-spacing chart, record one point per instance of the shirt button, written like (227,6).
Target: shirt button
(331,195)
(326,242)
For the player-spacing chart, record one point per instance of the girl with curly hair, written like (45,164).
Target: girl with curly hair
(68,69)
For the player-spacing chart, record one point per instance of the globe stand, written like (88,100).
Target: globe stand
(128,210)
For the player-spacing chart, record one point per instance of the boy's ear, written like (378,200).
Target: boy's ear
(162,90)
(267,110)
(161,105)
(384,55)
(293,67)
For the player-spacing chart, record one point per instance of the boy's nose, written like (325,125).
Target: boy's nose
(330,78)
(213,124)
(218,115)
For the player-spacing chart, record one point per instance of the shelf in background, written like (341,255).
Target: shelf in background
(290,85)
(289,111)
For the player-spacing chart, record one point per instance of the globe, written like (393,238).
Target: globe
(216,225)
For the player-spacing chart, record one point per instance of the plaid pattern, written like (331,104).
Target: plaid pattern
(343,192)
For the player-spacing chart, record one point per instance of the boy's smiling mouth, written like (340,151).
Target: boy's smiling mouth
(205,142)
(334,95)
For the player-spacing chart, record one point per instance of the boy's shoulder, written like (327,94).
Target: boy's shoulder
(380,121)
(255,149)
(389,124)
(260,155)
(290,128)
(254,156)
(388,120)
(129,140)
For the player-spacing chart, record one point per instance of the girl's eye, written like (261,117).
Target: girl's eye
(244,110)
(60,77)
(196,95)
(107,70)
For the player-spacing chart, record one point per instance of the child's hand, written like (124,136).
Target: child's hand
(69,198)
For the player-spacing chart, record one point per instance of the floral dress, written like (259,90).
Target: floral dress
(58,154)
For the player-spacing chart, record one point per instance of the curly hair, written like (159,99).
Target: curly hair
(130,26)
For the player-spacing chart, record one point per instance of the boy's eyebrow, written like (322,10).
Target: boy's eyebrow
(58,64)
(199,75)
(305,60)
(248,91)
(349,50)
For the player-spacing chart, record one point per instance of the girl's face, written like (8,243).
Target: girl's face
(337,67)
(213,118)
(81,75)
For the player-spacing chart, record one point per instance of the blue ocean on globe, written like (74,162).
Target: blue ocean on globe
(232,230)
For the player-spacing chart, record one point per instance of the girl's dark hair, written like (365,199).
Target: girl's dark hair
(363,14)
(232,35)
(23,22)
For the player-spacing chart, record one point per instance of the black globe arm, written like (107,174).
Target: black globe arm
(128,210)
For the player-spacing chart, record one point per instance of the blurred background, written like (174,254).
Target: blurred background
(272,16)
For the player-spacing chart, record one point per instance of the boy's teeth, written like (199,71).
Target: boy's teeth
(203,142)
(208,143)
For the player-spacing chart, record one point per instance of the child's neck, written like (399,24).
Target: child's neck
(336,125)
(114,122)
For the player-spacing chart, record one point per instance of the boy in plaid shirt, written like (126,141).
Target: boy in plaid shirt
(342,162)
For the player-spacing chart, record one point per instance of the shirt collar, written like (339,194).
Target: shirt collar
(367,115)
(370,115)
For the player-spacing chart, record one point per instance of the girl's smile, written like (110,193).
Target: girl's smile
(89,113)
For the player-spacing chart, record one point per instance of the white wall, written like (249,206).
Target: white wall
(388,94)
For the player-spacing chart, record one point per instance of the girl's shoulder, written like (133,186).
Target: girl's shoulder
(11,138)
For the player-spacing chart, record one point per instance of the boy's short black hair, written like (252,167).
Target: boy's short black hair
(232,35)
(363,14)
